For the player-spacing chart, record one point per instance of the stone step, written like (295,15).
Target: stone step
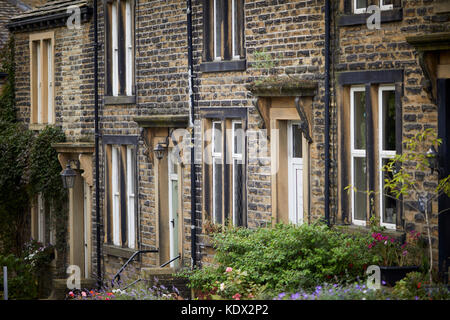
(166,277)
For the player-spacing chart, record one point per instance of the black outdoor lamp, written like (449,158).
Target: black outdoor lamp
(159,150)
(161,147)
(68,176)
(432,156)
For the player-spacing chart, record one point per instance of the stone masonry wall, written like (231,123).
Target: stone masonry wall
(362,49)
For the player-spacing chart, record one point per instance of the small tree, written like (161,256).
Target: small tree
(401,183)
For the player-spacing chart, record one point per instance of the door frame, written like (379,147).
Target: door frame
(174,242)
(293,165)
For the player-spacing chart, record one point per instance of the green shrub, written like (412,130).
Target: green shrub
(286,257)
(416,286)
(22,283)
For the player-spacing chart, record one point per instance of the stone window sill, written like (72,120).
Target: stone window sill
(361,19)
(223,66)
(120,252)
(39,126)
(119,100)
(353,229)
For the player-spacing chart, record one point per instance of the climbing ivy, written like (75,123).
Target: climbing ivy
(28,166)
(7,102)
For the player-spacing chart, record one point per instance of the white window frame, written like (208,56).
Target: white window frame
(40,219)
(216,156)
(39,66)
(235,46)
(129,49)
(131,196)
(115,50)
(115,190)
(385,7)
(235,157)
(50,108)
(355,153)
(358,10)
(217,55)
(383,154)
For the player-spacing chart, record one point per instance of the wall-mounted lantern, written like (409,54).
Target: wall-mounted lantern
(68,176)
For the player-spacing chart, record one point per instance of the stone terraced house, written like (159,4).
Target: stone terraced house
(281,105)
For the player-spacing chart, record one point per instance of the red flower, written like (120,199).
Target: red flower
(418,285)
(237,296)
(350,265)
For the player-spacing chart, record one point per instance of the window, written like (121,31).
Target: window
(386,4)
(217,165)
(41,225)
(120,48)
(41,74)
(237,171)
(223,30)
(358,154)
(373,142)
(360,6)
(226,169)
(387,150)
(121,195)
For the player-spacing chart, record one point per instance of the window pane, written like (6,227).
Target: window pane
(237,192)
(388,105)
(217,134)
(235,29)
(361,4)
(389,209)
(217,190)
(297,141)
(359,172)
(387,2)
(218,8)
(359,125)
(238,137)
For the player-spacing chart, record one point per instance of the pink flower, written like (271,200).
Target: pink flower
(405,252)
(71,294)
(83,294)
(237,296)
(229,269)
(392,240)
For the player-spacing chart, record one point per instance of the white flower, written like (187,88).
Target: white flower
(222,286)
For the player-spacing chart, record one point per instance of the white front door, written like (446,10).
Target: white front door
(295,172)
(173,210)
(86,221)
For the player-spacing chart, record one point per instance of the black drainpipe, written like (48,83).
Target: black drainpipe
(191,124)
(327,112)
(97,162)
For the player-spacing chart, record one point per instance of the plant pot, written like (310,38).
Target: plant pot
(393,274)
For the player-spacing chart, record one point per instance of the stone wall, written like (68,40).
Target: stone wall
(359,49)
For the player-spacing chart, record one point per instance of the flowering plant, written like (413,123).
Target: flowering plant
(392,253)
(38,255)
(237,286)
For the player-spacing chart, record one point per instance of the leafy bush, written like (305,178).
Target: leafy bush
(417,286)
(22,283)
(286,257)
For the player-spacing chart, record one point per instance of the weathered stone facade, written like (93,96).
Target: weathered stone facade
(289,36)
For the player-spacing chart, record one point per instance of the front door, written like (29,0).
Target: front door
(86,222)
(444,164)
(173,210)
(295,172)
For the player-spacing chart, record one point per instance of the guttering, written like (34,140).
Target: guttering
(97,159)
(191,124)
(327,111)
